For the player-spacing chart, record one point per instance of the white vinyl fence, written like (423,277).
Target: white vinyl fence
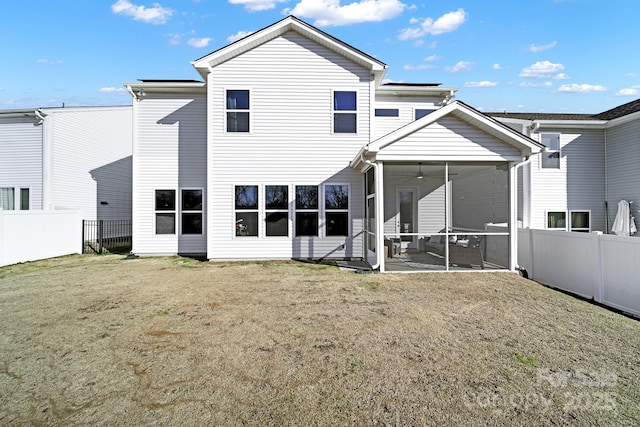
(604,268)
(34,235)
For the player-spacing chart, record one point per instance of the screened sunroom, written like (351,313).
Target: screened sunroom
(442,194)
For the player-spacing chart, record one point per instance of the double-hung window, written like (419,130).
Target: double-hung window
(344,112)
(276,205)
(237,110)
(306,210)
(246,207)
(165,209)
(336,207)
(191,211)
(550,157)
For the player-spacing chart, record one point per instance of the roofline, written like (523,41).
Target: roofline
(415,90)
(166,87)
(27,112)
(203,64)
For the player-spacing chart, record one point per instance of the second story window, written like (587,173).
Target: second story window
(550,157)
(237,111)
(420,112)
(344,112)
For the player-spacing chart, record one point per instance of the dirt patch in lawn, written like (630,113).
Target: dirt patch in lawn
(107,340)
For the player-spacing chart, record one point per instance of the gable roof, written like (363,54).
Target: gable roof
(290,23)
(467,114)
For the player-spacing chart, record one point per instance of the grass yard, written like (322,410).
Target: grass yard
(88,340)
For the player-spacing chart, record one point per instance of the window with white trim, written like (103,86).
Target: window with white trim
(276,206)
(387,112)
(191,211)
(246,210)
(306,204)
(557,220)
(421,112)
(344,112)
(580,221)
(336,209)
(12,198)
(550,157)
(165,211)
(237,109)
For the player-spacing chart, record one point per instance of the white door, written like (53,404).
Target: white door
(406,215)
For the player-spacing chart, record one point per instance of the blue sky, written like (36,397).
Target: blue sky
(575,56)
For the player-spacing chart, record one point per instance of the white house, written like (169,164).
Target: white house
(292,147)
(67,158)
(589,165)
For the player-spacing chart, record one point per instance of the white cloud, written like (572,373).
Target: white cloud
(331,13)
(432,58)
(418,67)
(237,36)
(497,67)
(445,24)
(257,5)
(151,15)
(119,90)
(562,76)
(631,75)
(49,61)
(583,88)
(460,66)
(529,84)
(175,39)
(629,91)
(542,70)
(199,42)
(539,48)
(484,83)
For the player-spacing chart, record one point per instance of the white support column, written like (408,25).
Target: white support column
(513,216)
(380,216)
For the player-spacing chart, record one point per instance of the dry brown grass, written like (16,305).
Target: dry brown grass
(101,340)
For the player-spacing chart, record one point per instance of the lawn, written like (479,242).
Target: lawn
(89,340)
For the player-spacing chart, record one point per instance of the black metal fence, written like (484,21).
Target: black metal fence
(100,236)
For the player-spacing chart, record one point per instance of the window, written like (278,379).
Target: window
(7,198)
(387,112)
(24,199)
(165,202)
(306,210)
(557,220)
(276,204)
(191,211)
(246,206)
(420,113)
(336,205)
(550,158)
(580,221)
(237,111)
(344,112)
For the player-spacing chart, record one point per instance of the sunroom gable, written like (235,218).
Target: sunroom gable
(455,131)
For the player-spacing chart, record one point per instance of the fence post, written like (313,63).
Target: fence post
(83,234)
(100,225)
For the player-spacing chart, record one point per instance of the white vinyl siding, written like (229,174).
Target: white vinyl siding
(449,139)
(291,79)
(406,107)
(21,157)
(579,182)
(170,153)
(90,165)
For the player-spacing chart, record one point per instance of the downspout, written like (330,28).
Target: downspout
(606,185)
(375,266)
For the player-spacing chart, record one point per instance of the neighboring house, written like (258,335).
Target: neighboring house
(589,165)
(292,147)
(67,158)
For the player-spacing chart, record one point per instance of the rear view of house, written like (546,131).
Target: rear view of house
(293,147)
